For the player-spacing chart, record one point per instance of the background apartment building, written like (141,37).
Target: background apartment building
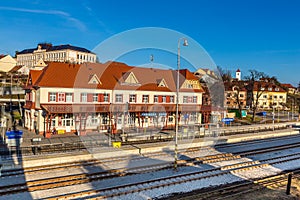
(60,53)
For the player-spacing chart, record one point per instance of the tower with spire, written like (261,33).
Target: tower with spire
(238,74)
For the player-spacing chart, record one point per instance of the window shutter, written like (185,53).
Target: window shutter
(100,97)
(168,99)
(56,96)
(89,97)
(159,99)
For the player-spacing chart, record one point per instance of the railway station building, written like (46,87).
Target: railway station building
(64,97)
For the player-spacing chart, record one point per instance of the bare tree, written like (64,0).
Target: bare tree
(238,87)
(255,88)
(225,74)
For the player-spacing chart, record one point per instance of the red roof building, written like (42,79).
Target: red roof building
(112,95)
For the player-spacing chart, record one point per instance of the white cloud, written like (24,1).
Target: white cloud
(66,15)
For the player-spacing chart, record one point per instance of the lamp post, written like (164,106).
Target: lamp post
(44,113)
(110,124)
(185,43)
(293,108)
(278,120)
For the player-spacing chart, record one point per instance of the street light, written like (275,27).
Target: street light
(293,109)
(273,116)
(44,113)
(185,43)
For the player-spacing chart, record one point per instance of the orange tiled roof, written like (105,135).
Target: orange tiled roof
(287,85)
(33,77)
(267,86)
(35,74)
(111,76)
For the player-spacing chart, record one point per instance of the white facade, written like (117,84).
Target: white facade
(66,53)
(121,98)
(66,122)
(238,75)
(7,63)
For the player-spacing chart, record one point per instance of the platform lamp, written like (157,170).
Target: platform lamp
(44,114)
(185,43)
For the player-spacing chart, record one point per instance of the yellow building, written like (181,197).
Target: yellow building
(270,95)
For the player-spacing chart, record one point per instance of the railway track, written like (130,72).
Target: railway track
(30,170)
(79,164)
(238,189)
(83,146)
(128,189)
(85,178)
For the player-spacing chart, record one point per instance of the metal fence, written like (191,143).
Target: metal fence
(184,133)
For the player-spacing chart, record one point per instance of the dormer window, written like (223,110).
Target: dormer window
(93,79)
(162,83)
(130,79)
(190,86)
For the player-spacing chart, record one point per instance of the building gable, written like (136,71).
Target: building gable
(40,63)
(94,79)
(162,83)
(130,78)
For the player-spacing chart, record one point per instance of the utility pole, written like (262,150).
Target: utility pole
(273,117)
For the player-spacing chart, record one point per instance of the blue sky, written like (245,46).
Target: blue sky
(262,35)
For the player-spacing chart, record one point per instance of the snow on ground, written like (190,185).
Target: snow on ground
(185,187)
(256,173)
(180,188)
(248,147)
(131,162)
(274,154)
(213,181)
(230,162)
(114,182)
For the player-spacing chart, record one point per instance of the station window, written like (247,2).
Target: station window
(95,97)
(52,97)
(145,98)
(171,99)
(105,97)
(194,99)
(119,98)
(185,99)
(94,119)
(155,98)
(132,98)
(61,97)
(69,97)
(83,97)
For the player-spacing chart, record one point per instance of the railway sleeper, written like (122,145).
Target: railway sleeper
(212,157)
(250,168)
(222,159)
(234,166)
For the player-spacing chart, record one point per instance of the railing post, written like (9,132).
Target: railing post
(288,186)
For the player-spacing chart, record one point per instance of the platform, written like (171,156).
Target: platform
(136,150)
